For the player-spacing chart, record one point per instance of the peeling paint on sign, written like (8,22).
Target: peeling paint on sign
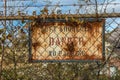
(67,41)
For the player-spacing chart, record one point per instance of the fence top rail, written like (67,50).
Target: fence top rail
(42,16)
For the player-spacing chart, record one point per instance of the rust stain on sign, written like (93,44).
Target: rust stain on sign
(67,41)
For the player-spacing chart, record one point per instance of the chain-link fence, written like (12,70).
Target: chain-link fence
(15,41)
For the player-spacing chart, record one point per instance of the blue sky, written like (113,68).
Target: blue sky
(15,6)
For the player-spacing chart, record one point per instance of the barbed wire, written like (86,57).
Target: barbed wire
(60,5)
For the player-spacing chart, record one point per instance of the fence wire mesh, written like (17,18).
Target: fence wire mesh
(14,40)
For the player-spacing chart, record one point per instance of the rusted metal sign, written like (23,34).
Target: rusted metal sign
(67,41)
